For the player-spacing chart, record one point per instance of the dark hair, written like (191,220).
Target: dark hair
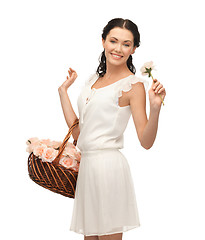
(122,23)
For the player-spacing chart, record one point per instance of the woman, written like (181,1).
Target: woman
(105,204)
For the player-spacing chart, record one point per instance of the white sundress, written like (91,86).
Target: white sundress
(105,201)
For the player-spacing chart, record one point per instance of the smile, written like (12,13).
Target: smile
(115,56)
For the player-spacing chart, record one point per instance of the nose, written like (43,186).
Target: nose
(118,48)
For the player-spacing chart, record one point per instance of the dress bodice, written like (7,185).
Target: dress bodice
(102,121)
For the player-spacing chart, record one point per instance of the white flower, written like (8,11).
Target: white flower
(147,65)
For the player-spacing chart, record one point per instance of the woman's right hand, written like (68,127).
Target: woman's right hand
(70,80)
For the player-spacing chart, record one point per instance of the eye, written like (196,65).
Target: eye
(126,45)
(112,41)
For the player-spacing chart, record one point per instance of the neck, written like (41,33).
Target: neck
(113,70)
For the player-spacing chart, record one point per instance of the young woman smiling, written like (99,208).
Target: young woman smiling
(105,204)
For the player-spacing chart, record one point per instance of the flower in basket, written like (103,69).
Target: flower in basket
(49,154)
(49,143)
(38,149)
(44,152)
(70,157)
(55,144)
(47,150)
(67,162)
(69,144)
(34,142)
(72,152)
(70,163)
(77,156)
(31,143)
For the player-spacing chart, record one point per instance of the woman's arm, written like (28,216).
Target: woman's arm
(68,111)
(150,130)
(146,129)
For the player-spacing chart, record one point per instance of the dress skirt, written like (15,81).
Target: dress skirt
(105,201)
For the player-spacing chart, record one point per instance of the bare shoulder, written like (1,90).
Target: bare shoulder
(137,93)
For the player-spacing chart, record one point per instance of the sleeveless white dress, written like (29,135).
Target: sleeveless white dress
(105,201)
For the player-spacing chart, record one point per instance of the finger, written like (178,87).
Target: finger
(72,70)
(158,87)
(70,73)
(74,75)
(155,85)
(162,90)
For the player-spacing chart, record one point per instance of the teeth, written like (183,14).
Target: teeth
(116,56)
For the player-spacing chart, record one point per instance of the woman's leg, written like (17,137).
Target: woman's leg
(116,236)
(90,237)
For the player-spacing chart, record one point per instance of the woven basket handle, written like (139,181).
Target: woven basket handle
(62,146)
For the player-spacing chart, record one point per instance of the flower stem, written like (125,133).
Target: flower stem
(159,93)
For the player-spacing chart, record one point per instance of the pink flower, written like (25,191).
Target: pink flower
(31,143)
(71,145)
(31,147)
(55,144)
(77,156)
(69,151)
(32,140)
(67,162)
(49,154)
(76,166)
(47,150)
(47,142)
(39,149)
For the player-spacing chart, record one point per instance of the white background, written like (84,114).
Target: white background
(39,41)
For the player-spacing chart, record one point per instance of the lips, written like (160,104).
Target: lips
(116,56)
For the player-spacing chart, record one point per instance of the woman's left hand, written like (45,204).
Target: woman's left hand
(156,89)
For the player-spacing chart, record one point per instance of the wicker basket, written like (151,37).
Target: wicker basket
(54,176)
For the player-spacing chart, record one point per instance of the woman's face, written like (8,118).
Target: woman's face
(118,45)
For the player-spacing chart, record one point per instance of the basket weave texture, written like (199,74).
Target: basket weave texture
(54,176)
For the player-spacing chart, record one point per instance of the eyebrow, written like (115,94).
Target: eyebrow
(124,41)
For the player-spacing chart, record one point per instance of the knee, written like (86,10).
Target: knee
(90,237)
(116,236)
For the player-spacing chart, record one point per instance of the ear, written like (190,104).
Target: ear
(103,43)
(133,50)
